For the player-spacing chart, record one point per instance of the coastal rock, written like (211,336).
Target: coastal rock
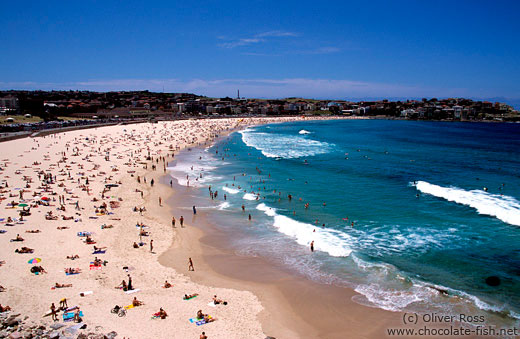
(11,322)
(15,335)
(111,335)
(57,326)
(54,335)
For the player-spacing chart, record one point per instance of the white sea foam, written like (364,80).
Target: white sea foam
(224,205)
(249,196)
(230,190)
(304,132)
(284,146)
(335,243)
(504,208)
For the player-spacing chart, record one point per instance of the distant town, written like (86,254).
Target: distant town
(132,105)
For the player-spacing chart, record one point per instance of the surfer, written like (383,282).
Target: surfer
(312,246)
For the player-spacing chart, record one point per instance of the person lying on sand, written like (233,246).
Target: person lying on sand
(167,284)
(135,245)
(62,228)
(136,302)
(38,269)
(62,285)
(72,270)
(24,250)
(89,240)
(72,257)
(33,231)
(97,262)
(99,248)
(189,296)
(2,288)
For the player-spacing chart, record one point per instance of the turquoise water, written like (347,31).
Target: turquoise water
(434,206)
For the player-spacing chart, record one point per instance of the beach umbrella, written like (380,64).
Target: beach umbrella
(22,205)
(34,261)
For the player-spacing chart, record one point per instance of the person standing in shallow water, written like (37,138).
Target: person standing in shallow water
(312,246)
(194,210)
(181,221)
(173,221)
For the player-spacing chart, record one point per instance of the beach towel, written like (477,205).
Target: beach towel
(84,234)
(129,307)
(70,316)
(94,267)
(67,273)
(190,298)
(99,252)
(212,304)
(199,322)
(133,291)
(155,316)
(82,294)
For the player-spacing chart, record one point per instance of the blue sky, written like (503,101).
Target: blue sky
(331,49)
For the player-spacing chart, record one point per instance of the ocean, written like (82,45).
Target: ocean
(414,216)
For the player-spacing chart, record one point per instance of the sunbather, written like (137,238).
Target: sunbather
(189,296)
(162,313)
(72,270)
(167,284)
(136,302)
(18,238)
(62,285)
(123,286)
(72,257)
(217,301)
(37,269)
(4,308)
(24,250)
(33,231)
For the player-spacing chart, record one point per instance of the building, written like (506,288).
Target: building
(8,104)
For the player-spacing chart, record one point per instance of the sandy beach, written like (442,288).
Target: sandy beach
(95,182)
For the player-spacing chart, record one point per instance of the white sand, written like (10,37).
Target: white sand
(127,147)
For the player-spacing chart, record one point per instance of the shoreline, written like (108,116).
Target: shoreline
(290,300)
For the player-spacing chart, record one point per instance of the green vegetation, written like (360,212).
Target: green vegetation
(18,119)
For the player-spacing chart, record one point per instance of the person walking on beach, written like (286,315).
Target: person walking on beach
(181,220)
(129,285)
(173,221)
(54,312)
(152,182)
(190,265)
(151,246)
(160,201)
(194,210)
(312,246)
